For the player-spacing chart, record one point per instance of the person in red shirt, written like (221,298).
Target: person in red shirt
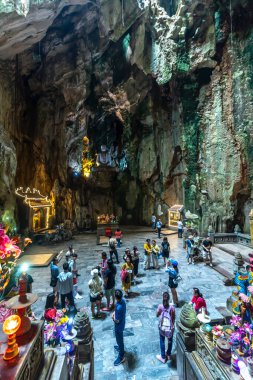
(118,236)
(198,300)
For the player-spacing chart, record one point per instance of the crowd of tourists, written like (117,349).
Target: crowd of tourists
(156,254)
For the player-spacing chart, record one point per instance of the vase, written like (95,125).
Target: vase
(223,350)
(234,362)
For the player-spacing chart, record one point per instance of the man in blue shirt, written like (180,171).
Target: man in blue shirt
(119,319)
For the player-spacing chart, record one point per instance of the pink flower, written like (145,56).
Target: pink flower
(235,320)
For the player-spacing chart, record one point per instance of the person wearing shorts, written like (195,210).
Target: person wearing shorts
(165,249)
(96,293)
(172,269)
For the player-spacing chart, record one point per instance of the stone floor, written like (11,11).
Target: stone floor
(141,333)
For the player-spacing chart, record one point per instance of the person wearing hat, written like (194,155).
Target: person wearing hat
(172,269)
(95,285)
(189,247)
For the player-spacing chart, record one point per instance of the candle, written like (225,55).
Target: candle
(70,325)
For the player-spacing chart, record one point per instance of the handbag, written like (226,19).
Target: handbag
(177,279)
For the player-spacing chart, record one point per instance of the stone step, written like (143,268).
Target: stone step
(222,262)
(232,249)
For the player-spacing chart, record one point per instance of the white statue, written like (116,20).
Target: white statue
(104,157)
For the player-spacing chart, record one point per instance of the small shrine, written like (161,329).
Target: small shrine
(41,208)
(174,215)
(106,227)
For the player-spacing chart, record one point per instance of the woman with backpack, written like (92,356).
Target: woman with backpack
(172,269)
(165,249)
(126,275)
(166,314)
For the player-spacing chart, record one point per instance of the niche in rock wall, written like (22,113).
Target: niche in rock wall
(170,6)
(106,132)
(203,75)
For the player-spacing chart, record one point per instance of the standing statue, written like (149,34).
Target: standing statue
(237,229)
(210,230)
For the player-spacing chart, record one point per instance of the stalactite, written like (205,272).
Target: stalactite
(122,13)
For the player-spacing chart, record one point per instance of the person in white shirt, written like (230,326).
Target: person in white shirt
(179,228)
(65,283)
(96,292)
(153,221)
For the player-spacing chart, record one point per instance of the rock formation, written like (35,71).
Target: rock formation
(166,85)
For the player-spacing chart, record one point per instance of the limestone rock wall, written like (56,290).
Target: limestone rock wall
(169,85)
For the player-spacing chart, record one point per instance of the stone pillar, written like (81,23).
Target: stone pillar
(251,225)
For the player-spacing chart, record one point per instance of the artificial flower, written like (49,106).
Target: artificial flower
(235,320)
(246,340)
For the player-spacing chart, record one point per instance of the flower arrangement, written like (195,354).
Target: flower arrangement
(235,321)
(10,250)
(8,246)
(217,332)
(242,338)
(4,312)
(55,329)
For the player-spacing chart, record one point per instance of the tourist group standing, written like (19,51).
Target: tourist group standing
(103,282)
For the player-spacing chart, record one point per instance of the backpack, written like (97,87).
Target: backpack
(166,247)
(123,275)
(165,324)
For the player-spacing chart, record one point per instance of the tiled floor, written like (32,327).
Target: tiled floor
(141,333)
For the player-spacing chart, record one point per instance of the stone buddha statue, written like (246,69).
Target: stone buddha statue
(104,158)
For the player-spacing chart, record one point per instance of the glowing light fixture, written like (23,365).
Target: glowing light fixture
(10,327)
(33,198)
(24,268)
